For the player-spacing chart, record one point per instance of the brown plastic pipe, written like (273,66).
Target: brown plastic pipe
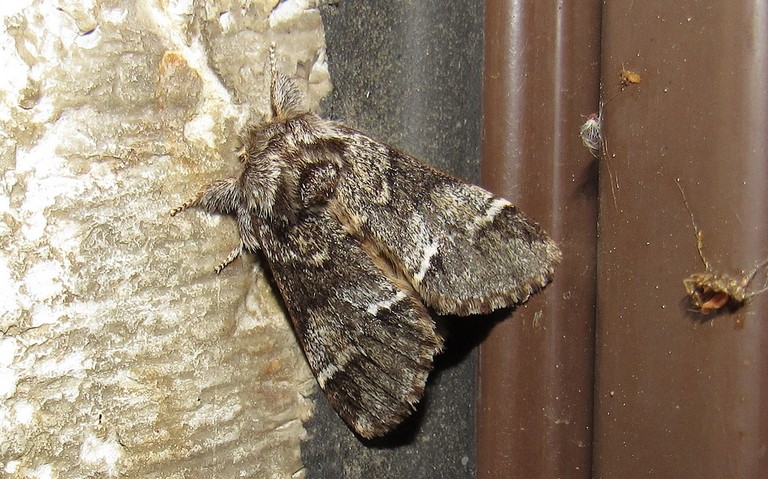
(677,394)
(536,368)
(680,394)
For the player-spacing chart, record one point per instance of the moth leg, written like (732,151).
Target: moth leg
(221,196)
(233,255)
(188,204)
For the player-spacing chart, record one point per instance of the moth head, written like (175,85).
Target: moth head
(260,179)
(263,155)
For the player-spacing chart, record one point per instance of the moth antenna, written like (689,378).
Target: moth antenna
(285,98)
(273,78)
(697,231)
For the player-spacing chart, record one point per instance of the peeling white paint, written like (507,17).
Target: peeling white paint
(8,349)
(287,11)
(44,471)
(72,364)
(114,14)
(11,466)
(43,280)
(9,299)
(200,129)
(8,381)
(24,412)
(102,453)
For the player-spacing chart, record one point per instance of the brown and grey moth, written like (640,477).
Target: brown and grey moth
(363,242)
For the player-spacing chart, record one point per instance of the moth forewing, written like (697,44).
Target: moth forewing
(369,342)
(463,249)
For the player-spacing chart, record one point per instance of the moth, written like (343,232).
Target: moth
(363,241)
(712,291)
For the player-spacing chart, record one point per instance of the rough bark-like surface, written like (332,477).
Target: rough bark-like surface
(121,352)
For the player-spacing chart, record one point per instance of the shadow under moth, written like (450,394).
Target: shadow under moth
(363,241)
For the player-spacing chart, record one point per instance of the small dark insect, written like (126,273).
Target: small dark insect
(711,291)
(628,77)
(361,239)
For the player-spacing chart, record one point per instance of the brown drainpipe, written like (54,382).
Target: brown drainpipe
(536,368)
(676,394)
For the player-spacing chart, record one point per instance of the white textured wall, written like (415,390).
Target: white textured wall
(121,352)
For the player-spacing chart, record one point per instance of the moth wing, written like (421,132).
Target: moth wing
(463,249)
(367,338)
